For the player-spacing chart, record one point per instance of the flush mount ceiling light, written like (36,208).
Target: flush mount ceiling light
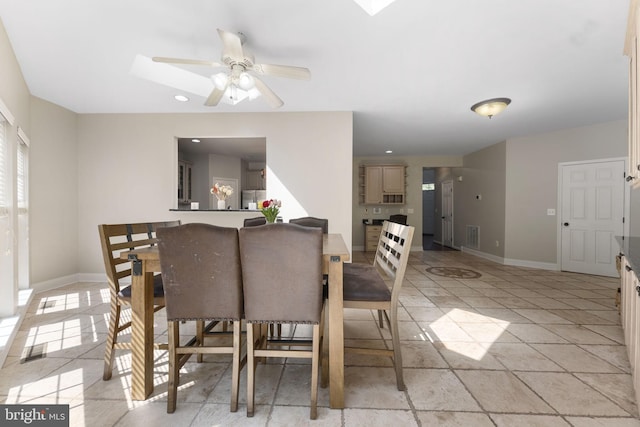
(491,107)
(181,98)
(373,6)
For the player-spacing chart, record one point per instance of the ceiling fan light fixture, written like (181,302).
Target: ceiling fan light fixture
(220,80)
(246,81)
(490,107)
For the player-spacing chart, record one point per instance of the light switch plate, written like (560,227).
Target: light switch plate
(551,212)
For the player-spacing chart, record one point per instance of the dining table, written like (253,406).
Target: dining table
(146,262)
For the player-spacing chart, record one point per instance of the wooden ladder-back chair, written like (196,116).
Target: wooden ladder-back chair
(115,238)
(365,287)
(282,283)
(202,281)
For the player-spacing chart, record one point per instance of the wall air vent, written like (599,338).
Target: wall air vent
(473,237)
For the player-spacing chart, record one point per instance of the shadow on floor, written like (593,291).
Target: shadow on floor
(429,245)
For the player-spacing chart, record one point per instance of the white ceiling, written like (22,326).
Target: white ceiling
(409,74)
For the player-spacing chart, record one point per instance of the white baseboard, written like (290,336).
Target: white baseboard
(532,264)
(55,283)
(513,262)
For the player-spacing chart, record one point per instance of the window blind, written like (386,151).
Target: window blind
(4,169)
(23,158)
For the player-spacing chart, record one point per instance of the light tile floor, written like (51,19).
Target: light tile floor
(514,347)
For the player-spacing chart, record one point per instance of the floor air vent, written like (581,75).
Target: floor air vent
(473,236)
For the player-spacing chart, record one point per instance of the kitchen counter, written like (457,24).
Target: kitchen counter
(630,248)
(215,210)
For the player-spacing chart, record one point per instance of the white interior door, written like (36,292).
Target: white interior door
(447,213)
(592,215)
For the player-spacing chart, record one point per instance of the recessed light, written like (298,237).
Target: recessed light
(181,98)
(195,140)
(389,151)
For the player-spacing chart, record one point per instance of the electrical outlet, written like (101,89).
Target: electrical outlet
(497,243)
(409,211)
(377,211)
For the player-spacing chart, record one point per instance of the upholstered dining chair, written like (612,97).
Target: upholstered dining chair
(252,222)
(282,283)
(310,221)
(115,238)
(202,281)
(365,287)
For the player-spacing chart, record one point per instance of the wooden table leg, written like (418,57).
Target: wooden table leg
(336,335)
(141,334)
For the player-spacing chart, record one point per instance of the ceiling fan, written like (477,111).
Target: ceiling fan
(237,83)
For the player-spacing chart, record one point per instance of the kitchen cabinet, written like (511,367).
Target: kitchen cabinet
(184,181)
(382,184)
(255,180)
(371,237)
(630,308)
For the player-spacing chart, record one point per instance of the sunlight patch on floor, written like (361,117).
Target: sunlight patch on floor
(454,338)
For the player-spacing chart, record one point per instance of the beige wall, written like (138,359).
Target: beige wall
(127,168)
(532,184)
(479,199)
(54,192)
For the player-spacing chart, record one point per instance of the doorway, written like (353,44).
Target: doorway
(592,197)
(428,208)
(447,213)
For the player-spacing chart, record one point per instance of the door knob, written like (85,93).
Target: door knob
(566,224)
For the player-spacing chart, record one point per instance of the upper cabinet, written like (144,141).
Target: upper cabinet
(255,180)
(184,182)
(382,184)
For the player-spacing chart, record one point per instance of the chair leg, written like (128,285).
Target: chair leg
(174,369)
(251,365)
(314,371)
(324,348)
(199,338)
(397,354)
(235,370)
(114,320)
(380,319)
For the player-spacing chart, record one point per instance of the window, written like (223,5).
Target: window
(22,184)
(428,187)
(4,170)
(6,242)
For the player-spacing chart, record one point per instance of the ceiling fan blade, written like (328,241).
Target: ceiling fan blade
(186,61)
(287,71)
(171,76)
(215,96)
(269,95)
(231,46)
